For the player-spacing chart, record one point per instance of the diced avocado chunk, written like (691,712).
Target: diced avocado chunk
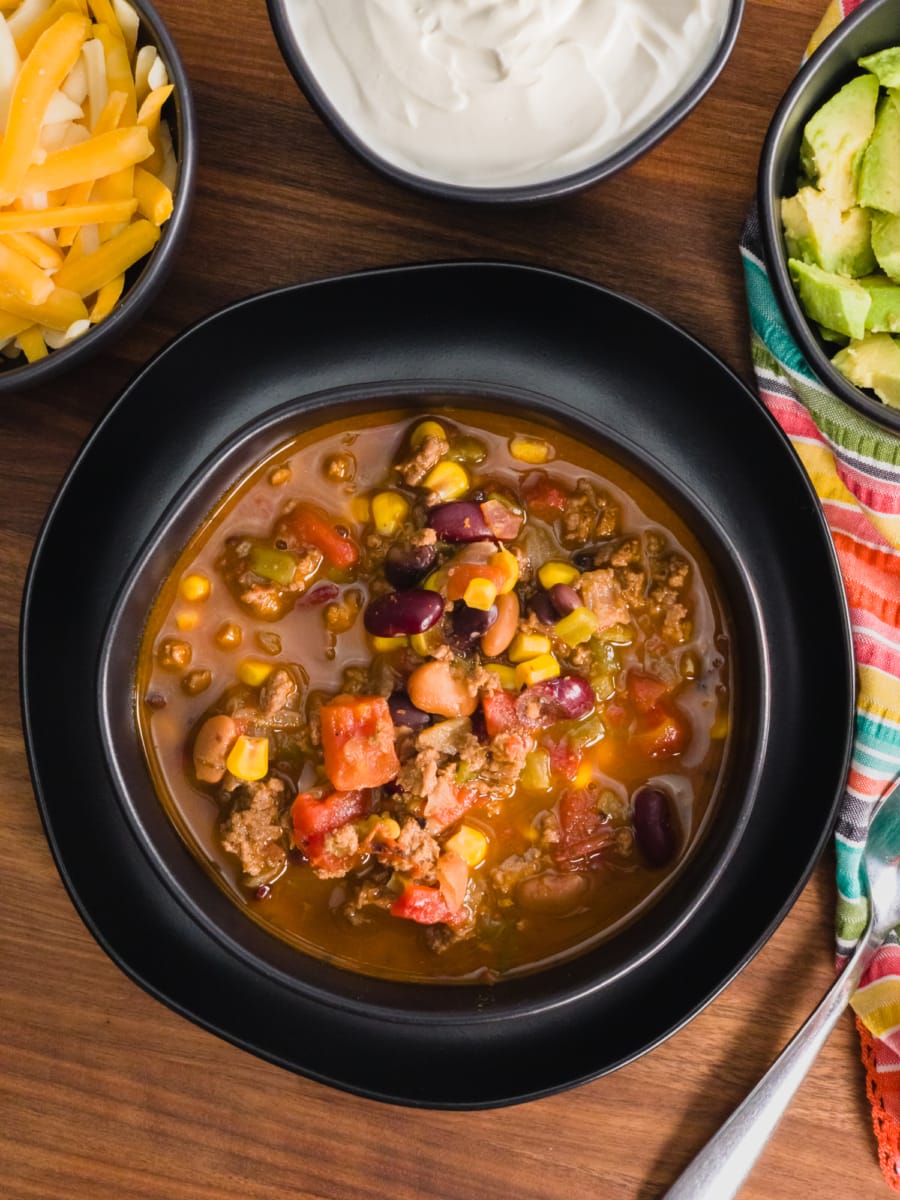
(884,65)
(879,175)
(831,335)
(886,243)
(833,300)
(873,362)
(835,138)
(817,231)
(884,312)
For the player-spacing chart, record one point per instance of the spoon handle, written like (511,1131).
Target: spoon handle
(721,1167)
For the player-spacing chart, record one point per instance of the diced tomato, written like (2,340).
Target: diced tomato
(358,742)
(616,714)
(453,877)
(564,760)
(313,527)
(460,575)
(645,691)
(667,736)
(499,711)
(427,905)
(544,496)
(583,832)
(448,802)
(501,520)
(315,816)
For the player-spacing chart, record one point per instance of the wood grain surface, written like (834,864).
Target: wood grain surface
(106,1093)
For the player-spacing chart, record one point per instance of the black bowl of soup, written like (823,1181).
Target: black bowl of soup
(440,716)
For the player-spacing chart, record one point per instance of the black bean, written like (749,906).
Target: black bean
(653,828)
(585,560)
(468,625)
(405,612)
(542,607)
(404,713)
(564,598)
(459,521)
(405,566)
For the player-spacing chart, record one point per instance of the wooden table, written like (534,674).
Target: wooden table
(103,1091)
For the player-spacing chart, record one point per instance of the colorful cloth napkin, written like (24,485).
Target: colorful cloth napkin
(854,465)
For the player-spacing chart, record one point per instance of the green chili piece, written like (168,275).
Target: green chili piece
(275,565)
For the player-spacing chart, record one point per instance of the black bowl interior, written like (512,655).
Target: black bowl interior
(872,27)
(209,906)
(526,193)
(593,362)
(144,280)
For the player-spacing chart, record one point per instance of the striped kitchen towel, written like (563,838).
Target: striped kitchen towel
(855,468)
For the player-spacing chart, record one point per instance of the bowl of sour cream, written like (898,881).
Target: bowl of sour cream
(503,100)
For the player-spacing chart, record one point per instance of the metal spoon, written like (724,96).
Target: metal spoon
(721,1167)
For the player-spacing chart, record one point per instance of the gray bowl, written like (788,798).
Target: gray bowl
(548,189)
(872,27)
(145,278)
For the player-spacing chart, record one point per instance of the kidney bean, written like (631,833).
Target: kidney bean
(503,630)
(468,625)
(565,698)
(410,611)
(653,829)
(564,598)
(320,594)
(405,566)
(458,521)
(542,607)
(436,688)
(553,894)
(404,713)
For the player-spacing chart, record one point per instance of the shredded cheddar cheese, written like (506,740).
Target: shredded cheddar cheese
(87,165)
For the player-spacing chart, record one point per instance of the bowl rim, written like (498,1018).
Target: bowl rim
(814,79)
(159,262)
(519,194)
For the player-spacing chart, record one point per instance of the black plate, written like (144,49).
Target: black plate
(603,361)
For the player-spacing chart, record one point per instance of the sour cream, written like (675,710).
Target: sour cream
(498,93)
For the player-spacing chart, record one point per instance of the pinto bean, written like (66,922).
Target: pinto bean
(437,688)
(211,746)
(553,894)
(503,630)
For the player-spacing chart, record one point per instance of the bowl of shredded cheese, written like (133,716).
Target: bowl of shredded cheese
(503,100)
(97,165)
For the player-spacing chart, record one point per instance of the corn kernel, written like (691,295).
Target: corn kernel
(584,776)
(389,511)
(536,670)
(254,672)
(360,509)
(552,573)
(469,843)
(426,429)
(448,480)
(228,636)
(576,627)
(389,827)
(509,564)
(187,620)
(480,593)
(529,449)
(720,727)
(384,645)
(194,588)
(528,645)
(279,476)
(506,675)
(249,758)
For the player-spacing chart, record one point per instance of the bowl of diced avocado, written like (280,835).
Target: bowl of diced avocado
(829,206)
